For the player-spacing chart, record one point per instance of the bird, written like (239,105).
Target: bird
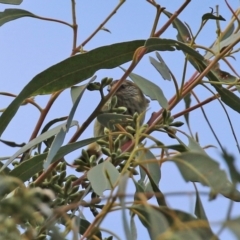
(129,96)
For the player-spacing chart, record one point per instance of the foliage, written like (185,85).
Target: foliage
(40,198)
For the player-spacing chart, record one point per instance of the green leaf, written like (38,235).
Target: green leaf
(154,221)
(181,223)
(230,161)
(83,226)
(12,14)
(159,43)
(59,139)
(152,167)
(187,100)
(152,170)
(133,228)
(226,77)
(229,32)
(161,67)
(233,225)
(49,141)
(12,144)
(28,168)
(149,88)
(183,33)
(121,192)
(177,147)
(199,167)
(208,16)
(36,141)
(224,43)
(102,177)
(194,146)
(199,210)
(13,2)
(70,72)
(229,98)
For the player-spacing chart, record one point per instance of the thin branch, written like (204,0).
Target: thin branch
(44,114)
(53,20)
(208,122)
(158,13)
(74,25)
(98,28)
(171,19)
(28,100)
(229,120)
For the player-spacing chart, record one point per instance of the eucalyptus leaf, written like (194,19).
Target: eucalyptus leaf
(121,192)
(199,167)
(199,210)
(208,16)
(36,141)
(183,32)
(102,177)
(28,168)
(13,2)
(187,100)
(217,47)
(70,72)
(233,225)
(83,226)
(49,141)
(161,67)
(11,14)
(154,221)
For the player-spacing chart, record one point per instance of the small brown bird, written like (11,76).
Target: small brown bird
(130,96)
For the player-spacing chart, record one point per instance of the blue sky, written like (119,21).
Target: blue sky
(29,46)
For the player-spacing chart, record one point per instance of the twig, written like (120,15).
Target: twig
(53,20)
(171,19)
(98,28)
(28,100)
(43,114)
(74,25)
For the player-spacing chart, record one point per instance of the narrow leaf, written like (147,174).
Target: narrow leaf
(28,168)
(70,72)
(229,32)
(59,139)
(199,210)
(121,192)
(133,228)
(161,67)
(233,225)
(154,221)
(152,167)
(36,141)
(12,14)
(207,16)
(198,167)
(183,33)
(219,46)
(229,98)
(102,177)
(187,100)
(12,144)
(49,141)
(13,2)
